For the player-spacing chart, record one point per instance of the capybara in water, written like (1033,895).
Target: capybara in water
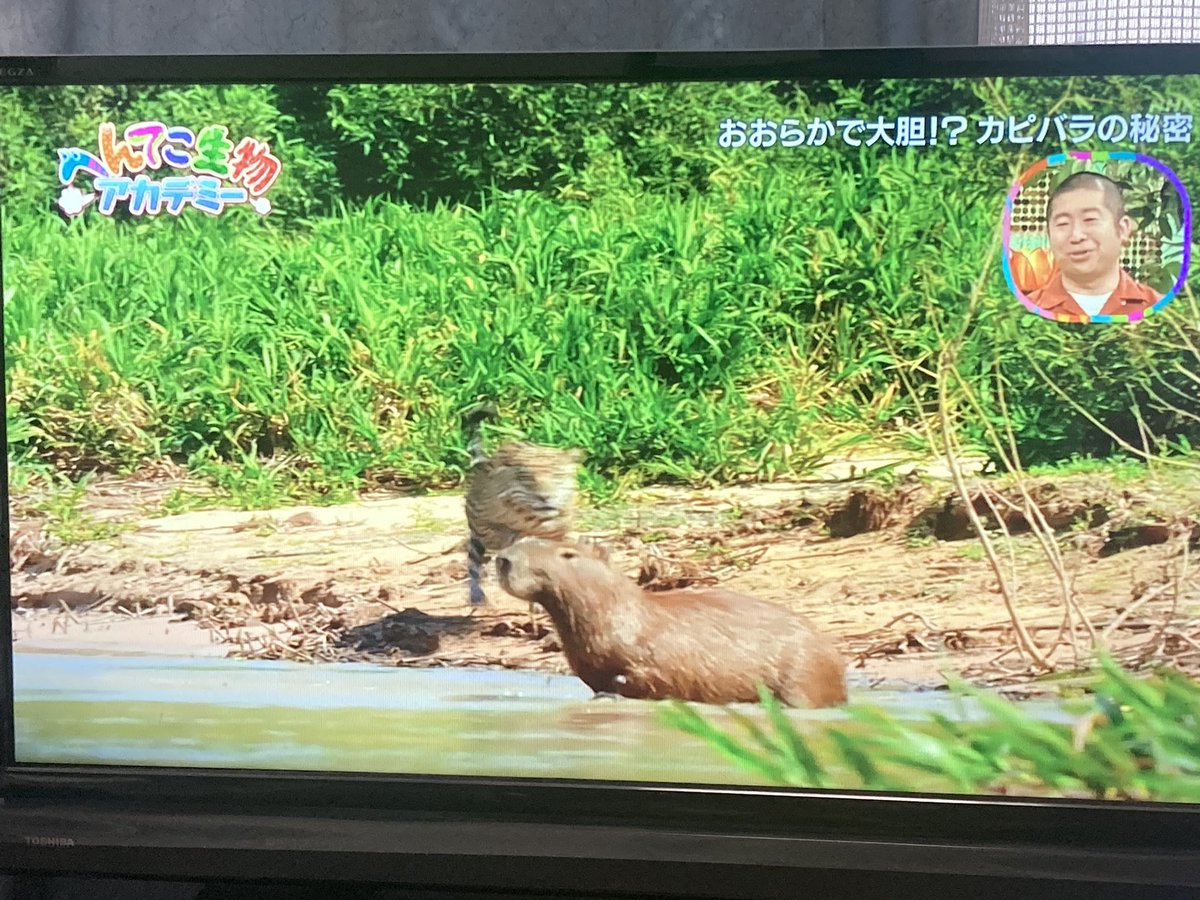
(707,645)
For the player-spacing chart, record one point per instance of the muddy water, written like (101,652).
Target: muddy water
(146,710)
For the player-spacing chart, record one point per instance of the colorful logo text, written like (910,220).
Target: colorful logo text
(214,173)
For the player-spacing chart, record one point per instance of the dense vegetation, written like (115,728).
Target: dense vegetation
(587,255)
(1132,739)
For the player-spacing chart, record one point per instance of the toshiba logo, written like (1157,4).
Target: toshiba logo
(50,842)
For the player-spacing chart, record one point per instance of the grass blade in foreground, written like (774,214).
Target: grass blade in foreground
(1133,739)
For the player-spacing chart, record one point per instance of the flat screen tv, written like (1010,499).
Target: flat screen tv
(609,473)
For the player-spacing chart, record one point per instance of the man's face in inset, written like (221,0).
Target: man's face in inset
(1087,237)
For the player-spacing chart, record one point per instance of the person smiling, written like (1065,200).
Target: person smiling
(1088,228)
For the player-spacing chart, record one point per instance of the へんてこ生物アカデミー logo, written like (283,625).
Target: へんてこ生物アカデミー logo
(218,172)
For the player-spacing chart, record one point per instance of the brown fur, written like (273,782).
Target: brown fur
(709,645)
(522,489)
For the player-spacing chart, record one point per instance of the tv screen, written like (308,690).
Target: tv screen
(810,425)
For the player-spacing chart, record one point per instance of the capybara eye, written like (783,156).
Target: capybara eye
(567,554)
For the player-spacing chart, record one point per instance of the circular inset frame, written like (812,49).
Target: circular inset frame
(1059,159)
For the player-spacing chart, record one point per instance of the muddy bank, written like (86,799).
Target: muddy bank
(895,573)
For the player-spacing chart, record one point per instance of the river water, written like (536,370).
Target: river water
(172,711)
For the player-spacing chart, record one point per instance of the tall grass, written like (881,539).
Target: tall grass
(1136,739)
(740,322)
(675,344)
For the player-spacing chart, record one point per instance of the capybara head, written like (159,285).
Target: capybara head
(532,567)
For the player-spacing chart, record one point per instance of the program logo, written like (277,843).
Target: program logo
(213,172)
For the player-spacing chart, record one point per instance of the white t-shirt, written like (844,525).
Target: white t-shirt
(1090,303)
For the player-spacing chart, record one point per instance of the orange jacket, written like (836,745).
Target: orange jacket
(1130,297)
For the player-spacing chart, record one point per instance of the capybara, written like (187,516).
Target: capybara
(708,645)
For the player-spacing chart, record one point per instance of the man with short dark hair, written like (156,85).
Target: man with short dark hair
(1088,228)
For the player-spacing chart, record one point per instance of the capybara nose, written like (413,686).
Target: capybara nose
(503,566)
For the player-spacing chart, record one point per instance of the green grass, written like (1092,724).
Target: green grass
(1133,739)
(182,501)
(972,552)
(741,319)
(346,354)
(425,522)
(1119,469)
(68,520)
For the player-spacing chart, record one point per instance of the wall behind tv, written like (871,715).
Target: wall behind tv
(373,26)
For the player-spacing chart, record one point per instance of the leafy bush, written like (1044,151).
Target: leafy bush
(1133,739)
(584,253)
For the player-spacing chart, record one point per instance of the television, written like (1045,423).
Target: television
(826,420)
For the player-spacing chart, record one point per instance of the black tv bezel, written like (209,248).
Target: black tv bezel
(955,829)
